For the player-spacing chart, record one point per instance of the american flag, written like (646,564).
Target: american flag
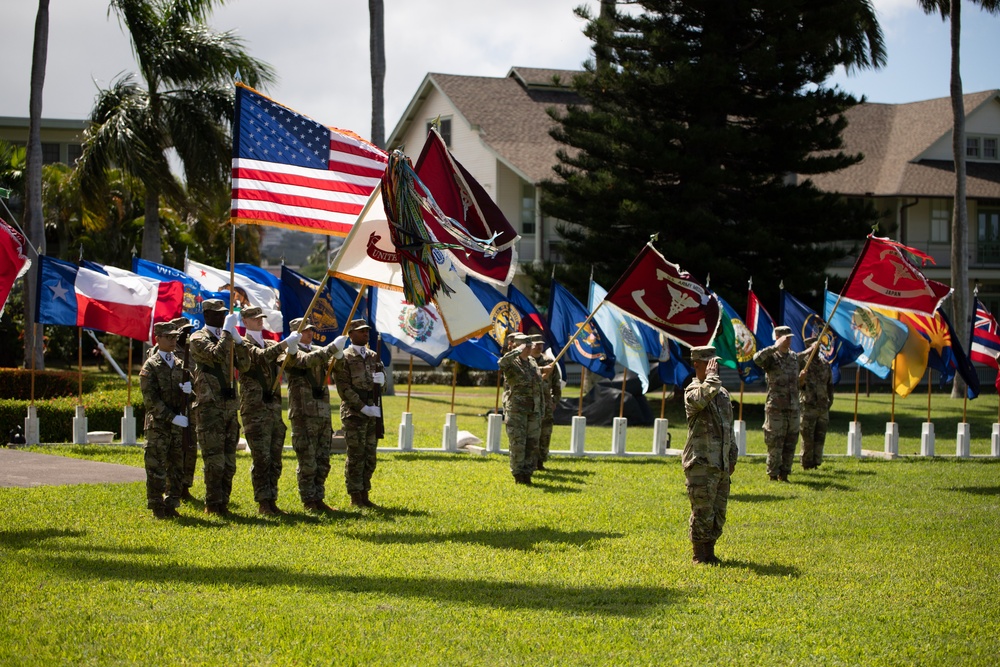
(290,171)
(985,341)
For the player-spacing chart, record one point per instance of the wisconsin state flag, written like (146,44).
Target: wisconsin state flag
(884,276)
(666,298)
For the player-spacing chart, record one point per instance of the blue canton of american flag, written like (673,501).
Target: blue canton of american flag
(290,171)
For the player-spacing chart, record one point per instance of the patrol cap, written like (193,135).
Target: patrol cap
(356,325)
(811,340)
(181,324)
(294,325)
(781,331)
(164,329)
(520,338)
(537,338)
(703,353)
(252,312)
(213,306)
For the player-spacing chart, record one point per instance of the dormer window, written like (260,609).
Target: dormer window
(444,129)
(981,147)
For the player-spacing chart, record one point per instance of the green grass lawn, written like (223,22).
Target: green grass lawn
(861,562)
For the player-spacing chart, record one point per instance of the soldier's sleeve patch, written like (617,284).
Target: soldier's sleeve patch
(144,371)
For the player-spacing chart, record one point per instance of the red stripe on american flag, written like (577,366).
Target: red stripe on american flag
(340,145)
(244,194)
(292,221)
(355,169)
(302,181)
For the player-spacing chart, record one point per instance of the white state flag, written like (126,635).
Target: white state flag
(368,256)
(418,331)
(624,334)
(248,292)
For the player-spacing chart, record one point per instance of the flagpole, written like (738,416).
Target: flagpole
(578,331)
(350,316)
(79,363)
(928,397)
(454,381)
(621,405)
(302,325)
(128,382)
(232,299)
(34,339)
(892,387)
(857,389)
(409,384)
(583,381)
(741,398)
(663,401)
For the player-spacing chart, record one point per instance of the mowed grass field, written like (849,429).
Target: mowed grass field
(862,562)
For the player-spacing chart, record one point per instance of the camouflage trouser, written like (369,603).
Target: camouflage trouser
(523,431)
(265,433)
(544,439)
(781,432)
(189,450)
(708,491)
(362,446)
(218,434)
(162,458)
(311,440)
(814,425)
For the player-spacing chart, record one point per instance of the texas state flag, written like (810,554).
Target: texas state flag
(76,296)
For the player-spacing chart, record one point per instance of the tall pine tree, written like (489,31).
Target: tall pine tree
(699,113)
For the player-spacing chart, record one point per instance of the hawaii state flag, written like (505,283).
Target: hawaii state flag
(666,298)
(290,171)
(884,276)
(479,220)
(985,341)
(69,295)
(590,348)
(14,263)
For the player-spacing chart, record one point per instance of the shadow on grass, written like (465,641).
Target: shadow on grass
(386,512)
(978,490)
(757,497)
(598,600)
(768,570)
(561,472)
(555,488)
(21,539)
(521,539)
(450,457)
(820,486)
(845,473)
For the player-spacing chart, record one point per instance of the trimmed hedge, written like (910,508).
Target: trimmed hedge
(472,379)
(16,383)
(105,409)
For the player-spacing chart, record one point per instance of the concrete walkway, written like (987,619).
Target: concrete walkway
(26,469)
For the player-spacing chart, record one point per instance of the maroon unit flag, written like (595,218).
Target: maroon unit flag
(666,298)
(480,221)
(14,261)
(884,276)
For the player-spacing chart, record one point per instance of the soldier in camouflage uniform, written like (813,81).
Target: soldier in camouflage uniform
(215,405)
(258,361)
(161,380)
(551,394)
(709,456)
(359,376)
(781,411)
(309,413)
(815,399)
(523,407)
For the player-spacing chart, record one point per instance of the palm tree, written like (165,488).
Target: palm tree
(376,47)
(185,104)
(960,214)
(33,180)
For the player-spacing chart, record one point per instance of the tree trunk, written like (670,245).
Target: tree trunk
(960,217)
(34,222)
(376,42)
(151,246)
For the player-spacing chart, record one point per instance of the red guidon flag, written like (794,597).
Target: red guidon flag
(885,276)
(666,298)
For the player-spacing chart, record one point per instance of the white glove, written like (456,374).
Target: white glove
(292,342)
(185,387)
(373,411)
(334,350)
(378,378)
(180,420)
(341,342)
(232,319)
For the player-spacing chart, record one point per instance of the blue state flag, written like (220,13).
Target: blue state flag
(624,334)
(671,367)
(481,353)
(879,337)
(591,348)
(805,323)
(505,316)
(194,295)
(530,317)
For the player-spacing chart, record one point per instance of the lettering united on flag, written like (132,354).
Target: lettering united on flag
(290,171)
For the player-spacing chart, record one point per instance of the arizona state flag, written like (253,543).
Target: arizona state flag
(666,298)
(884,276)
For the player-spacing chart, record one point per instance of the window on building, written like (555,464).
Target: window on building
(50,153)
(74,151)
(990,148)
(444,129)
(527,208)
(988,227)
(940,221)
(972,147)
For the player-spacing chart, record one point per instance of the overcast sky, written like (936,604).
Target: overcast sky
(319,49)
